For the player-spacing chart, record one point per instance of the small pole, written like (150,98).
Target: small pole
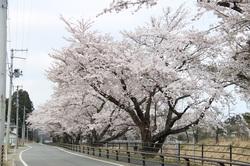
(178,153)
(230,154)
(162,160)
(128,153)
(107,153)
(81,148)
(17,117)
(202,154)
(9,103)
(116,152)
(27,134)
(23,125)
(143,160)
(100,152)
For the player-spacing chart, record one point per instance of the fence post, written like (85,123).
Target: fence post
(88,150)
(119,144)
(2,156)
(202,154)
(100,152)
(178,153)
(107,153)
(187,161)
(143,160)
(93,151)
(128,153)
(116,154)
(127,145)
(83,149)
(230,154)
(221,164)
(162,160)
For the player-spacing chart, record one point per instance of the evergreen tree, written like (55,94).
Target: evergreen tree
(24,102)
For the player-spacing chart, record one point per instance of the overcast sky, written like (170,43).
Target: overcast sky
(36,25)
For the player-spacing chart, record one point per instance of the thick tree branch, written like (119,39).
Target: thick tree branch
(180,98)
(138,109)
(148,105)
(121,133)
(167,131)
(104,131)
(183,129)
(135,118)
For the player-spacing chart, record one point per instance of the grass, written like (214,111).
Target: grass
(240,149)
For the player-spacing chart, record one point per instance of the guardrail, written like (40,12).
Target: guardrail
(146,158)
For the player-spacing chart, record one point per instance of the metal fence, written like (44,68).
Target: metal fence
(222,152)
(132,153)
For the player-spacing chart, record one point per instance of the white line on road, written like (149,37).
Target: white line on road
(20,156)
(89,157)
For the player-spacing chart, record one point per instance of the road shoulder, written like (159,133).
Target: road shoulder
(105,160)
(13,157)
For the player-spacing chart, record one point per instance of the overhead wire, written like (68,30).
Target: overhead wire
(19,15)
(27,8)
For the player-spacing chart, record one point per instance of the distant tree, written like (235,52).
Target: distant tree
(246,117)
(24,101)
(237,126)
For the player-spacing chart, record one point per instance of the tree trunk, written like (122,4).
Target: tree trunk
(187,136)
(148,145)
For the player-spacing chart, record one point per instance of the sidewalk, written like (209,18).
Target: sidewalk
(13,157)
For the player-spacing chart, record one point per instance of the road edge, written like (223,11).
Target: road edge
(21,158)
(88,157)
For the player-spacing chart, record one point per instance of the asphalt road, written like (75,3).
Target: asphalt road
(43,155)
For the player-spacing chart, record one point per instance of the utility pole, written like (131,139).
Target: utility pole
(3,54)
(12,74)
(23,125)
(27,134)
(9,103)
(17,117)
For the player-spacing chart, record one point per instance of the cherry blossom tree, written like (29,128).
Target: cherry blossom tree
(233,26)
(155,75)
(80,116)
(119,5)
